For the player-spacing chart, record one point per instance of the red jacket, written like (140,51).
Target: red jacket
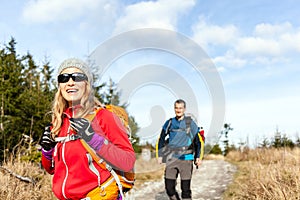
(73,178)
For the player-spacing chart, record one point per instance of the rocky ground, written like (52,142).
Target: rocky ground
(209,182)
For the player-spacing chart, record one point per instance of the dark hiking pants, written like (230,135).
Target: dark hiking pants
(174,167)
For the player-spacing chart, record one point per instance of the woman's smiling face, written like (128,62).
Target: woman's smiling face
(72,91)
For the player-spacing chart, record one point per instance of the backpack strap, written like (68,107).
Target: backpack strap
(188,122)
(167,131)
(166,139)
(93,114)
(202,141)
(99,160)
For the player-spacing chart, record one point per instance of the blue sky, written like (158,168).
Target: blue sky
(254,45)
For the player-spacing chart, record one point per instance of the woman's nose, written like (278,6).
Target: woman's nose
(70,82)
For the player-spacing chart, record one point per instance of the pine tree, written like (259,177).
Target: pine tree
(46,72)
(225,132)
(24,101)
(10,89)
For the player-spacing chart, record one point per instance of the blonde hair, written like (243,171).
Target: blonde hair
(88,103)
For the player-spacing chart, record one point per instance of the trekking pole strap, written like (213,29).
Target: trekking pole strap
(67,138)
(116,177)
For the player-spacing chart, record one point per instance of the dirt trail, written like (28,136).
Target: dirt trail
(208,182)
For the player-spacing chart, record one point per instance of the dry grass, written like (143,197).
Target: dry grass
(266,174)
(214,157)
(263,174)
(12,188)
(148,170)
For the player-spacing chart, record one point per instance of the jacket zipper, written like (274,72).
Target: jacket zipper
(63,189)
(67,172)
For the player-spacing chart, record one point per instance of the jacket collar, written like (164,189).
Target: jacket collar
(70,112)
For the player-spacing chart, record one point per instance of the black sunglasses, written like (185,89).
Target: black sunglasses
(77,77)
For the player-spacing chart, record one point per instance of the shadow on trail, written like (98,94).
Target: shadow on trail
(161,196)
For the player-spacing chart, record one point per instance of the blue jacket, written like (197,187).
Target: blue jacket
(178,137)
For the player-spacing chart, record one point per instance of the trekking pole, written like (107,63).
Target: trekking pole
(195,164)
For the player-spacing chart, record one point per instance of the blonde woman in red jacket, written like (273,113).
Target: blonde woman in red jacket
(75,174)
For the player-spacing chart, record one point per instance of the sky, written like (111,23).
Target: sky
(252,49)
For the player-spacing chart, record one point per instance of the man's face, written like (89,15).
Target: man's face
(179,110)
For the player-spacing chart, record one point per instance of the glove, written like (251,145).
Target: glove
(47,142)
(85,130)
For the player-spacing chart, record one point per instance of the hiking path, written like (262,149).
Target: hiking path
(209,182)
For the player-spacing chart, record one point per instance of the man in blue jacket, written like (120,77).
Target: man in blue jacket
(178,146)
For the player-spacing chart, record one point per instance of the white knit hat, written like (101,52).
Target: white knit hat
(77,63)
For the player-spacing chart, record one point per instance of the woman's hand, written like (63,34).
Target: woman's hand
(83,128)
(47,141)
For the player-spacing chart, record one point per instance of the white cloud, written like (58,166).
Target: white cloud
(45,11)
(269,45)
(209,34)
(221,69)
(269,30)
(270,40)
(266,44)
(291,41)
(153,14)
(229,60)
(255,46)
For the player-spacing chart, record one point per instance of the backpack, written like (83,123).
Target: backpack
(166,151)
(124,180)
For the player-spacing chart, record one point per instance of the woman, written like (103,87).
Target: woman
(76,175)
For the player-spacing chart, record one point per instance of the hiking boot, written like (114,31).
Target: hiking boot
(174,197)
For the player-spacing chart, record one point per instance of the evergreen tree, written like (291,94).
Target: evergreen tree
(297,142)
(47,81)
(281,140)
(225,132)
(265,143)
(10,89)
(135,140)
(23,101)
(287,142)
(277,139)
(216,149)
(110,94)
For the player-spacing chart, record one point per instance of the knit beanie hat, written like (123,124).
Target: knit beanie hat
(77,63)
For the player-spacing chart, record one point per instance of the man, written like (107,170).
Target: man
(178,145)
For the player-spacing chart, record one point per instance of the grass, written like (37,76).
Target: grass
(148,170)
(12,188)
(265,174)
(262,174)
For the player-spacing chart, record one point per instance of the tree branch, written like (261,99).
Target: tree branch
(22,178)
